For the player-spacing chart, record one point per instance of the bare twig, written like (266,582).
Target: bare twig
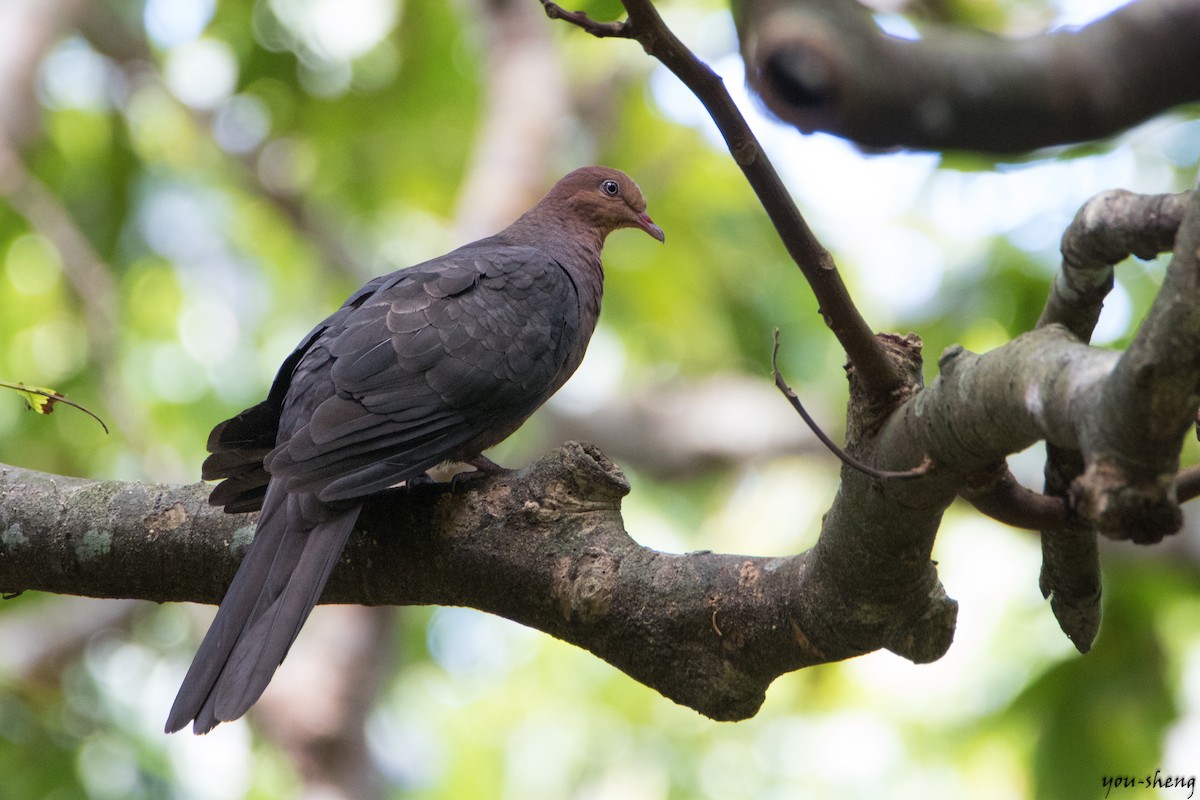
(601,30)
(843,456)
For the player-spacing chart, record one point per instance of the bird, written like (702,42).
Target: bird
(426,365)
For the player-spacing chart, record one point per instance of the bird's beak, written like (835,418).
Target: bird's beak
(645,223)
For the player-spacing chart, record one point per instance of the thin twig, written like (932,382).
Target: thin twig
(832,446)
(601,30)
(46,406)
(878,374)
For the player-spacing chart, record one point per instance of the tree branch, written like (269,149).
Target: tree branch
(826,65)
(544,546)
(1070,575)
(1108,228)
(1133,443)
(997,494)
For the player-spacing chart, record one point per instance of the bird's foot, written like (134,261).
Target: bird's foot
(483,464)
(484,468)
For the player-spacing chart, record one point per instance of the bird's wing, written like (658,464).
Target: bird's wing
(239,444)
(442,361)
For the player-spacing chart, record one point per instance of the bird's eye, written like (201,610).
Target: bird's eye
(610,188)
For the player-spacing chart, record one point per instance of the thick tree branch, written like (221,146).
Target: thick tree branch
(837,308)
(1042,385)
(1124,413)
(980,409)
(825,65)
(544,546)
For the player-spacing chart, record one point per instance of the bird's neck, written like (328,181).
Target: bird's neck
(576,246)
(571,242)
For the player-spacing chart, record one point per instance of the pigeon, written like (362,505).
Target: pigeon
(430,364)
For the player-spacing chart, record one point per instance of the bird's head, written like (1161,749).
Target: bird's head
(606,198)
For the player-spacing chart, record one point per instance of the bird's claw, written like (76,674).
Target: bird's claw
(484,468)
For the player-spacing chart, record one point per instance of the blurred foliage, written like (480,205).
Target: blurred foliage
(233,182)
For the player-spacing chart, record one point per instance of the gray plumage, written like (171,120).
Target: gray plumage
(433,363)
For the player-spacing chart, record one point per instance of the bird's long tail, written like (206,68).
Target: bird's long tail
(273,592)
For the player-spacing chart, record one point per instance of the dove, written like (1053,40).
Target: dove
(430,364)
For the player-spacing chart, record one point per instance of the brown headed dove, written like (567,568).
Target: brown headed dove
(433,363)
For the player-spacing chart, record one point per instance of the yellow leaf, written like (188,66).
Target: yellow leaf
(38,398)
(43,400)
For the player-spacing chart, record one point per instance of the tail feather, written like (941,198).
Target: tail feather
(263,646)
(238,446)
(273,592)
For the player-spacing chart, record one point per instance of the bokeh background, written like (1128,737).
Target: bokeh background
(187,186)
